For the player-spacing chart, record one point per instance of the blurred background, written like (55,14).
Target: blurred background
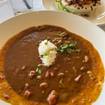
(10,8)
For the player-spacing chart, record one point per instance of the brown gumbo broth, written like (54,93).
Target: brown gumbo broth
(74,75)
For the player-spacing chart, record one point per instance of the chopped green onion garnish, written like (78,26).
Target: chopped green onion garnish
(38,70)
(68,48)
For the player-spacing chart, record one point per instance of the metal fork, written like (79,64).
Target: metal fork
(27,4)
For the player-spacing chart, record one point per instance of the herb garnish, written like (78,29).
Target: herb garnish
(38,70)
(44,55)
(68,48)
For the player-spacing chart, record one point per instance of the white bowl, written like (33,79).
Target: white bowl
(69,21)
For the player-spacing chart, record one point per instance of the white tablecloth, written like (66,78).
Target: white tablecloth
(6,11)
(9,7)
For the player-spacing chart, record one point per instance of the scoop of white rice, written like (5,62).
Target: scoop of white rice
(47,52)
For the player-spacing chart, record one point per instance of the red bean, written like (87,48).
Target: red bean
(26,85)
(52,74)
(77,78)
(52,98)
(61,74)
(27,93)
(44,85)
(2,77)
(6,96)
(31,74)
(39,77)
(47,74)
(23,67)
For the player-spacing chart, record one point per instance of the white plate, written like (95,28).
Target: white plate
(97,18)
(70,22)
